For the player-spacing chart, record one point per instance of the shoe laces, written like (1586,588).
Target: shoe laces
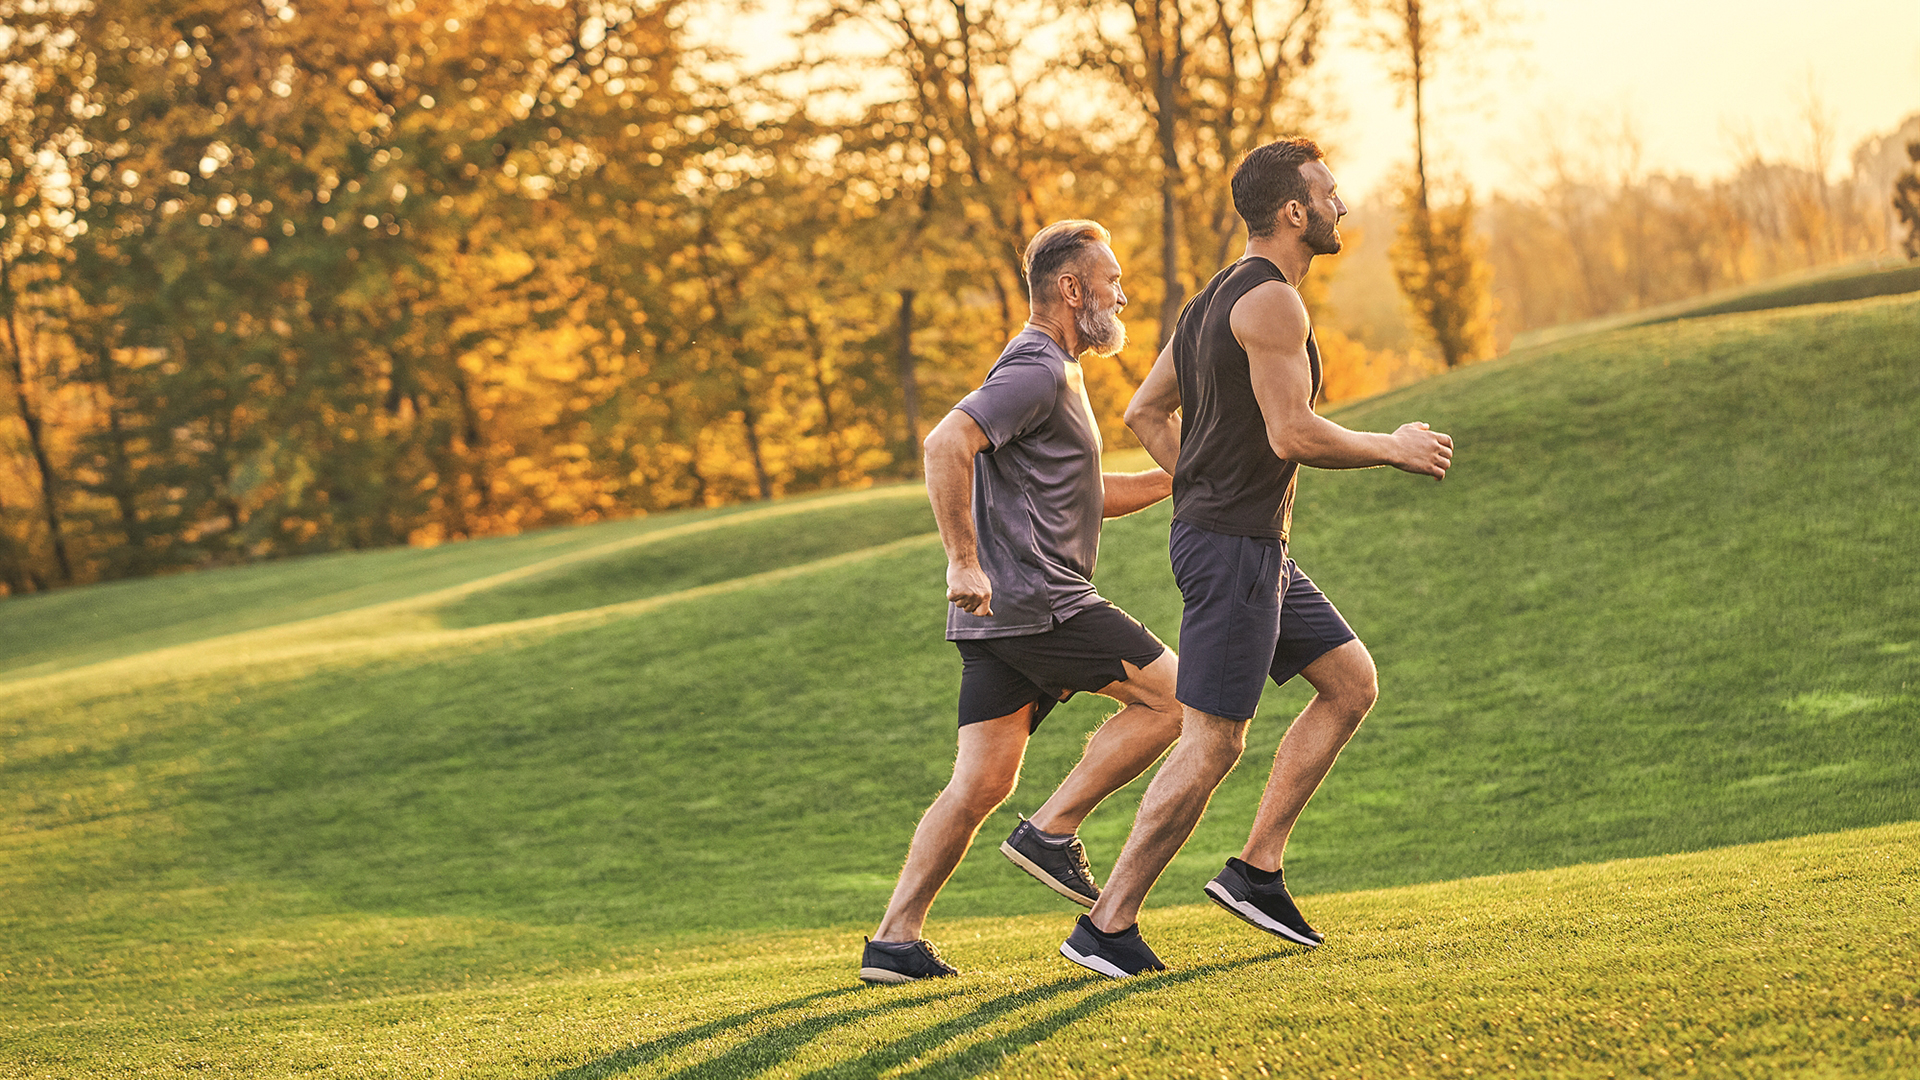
(1080,864)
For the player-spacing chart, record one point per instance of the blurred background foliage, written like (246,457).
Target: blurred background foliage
(288,278)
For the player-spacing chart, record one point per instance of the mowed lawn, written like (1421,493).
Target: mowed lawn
(1664,604)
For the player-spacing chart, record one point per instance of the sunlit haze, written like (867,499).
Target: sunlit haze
(1693,79)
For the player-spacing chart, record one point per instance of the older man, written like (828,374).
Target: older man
(1015,479)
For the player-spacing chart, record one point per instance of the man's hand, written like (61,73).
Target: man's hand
(1423,450)
(968,587)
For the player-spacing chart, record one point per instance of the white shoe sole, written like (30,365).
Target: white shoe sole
(1092,963)
(883,975)
(1040,875)
(1254,916)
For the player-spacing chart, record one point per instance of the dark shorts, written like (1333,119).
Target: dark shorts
(1000,676)
(1251,614)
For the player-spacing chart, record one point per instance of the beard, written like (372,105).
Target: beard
(1101,331)
(1323,233)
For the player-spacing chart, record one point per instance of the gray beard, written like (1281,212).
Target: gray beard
(1101,332)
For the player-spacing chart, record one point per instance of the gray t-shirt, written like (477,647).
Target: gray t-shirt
(1037,494)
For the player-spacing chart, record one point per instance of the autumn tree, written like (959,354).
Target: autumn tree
(951,124)
(1210,81)
(1438,258)
(1906,202)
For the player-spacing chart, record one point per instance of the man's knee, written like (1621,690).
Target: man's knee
(1153,686)
(978,795)
(1346,680)
(1216,740)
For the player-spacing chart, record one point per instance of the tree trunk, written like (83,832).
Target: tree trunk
(909,384)
(120,464)
(1417,50)
(13,561)
(751,423)
(1166,114)
(36,438)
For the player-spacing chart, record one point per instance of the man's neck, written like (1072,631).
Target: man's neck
(1286,252)
(1057,325)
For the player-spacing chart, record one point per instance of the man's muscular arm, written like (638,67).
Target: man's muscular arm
(1153,412)
(1271,324)
(1126,493)
(950,447)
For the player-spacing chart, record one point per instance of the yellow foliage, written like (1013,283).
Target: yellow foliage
(1351,371)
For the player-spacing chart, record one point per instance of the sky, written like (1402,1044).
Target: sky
(1691,74)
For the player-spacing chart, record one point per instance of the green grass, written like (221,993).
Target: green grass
(701,559)
(67,628)
(1799,957)
(1857,281)
(1663,604)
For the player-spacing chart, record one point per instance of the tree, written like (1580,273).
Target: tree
(1906,201)
(1213,80)
(1437,258)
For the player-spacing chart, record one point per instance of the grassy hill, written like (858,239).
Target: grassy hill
(1854,281)
(502,808)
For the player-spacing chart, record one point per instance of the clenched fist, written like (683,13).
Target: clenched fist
(968,587)
(1423,450)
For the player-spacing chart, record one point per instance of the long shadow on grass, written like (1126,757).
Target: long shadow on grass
(767,1050)
(989,1053)
(875,1062)
(641,1053)
(758,1055)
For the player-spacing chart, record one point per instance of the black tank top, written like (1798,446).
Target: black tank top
(1228,479)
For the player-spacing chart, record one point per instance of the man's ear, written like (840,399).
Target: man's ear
(1070,288)
(1296,213)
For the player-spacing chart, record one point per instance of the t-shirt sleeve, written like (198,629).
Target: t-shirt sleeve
(1016,398)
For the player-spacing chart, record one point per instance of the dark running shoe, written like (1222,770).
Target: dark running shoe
(898,962)
(1265,906)
(1117,956)
(1060,865)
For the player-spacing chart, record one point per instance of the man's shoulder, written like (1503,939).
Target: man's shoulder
(1270,309)
(1031,346)
(1028,355)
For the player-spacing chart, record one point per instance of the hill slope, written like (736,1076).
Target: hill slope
(1663,604)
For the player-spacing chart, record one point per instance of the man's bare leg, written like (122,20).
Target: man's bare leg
(1345,688)
(985,770)
(1208,748)
(1121,749)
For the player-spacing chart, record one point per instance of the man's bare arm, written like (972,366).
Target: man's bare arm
(950,447)
(1127,493)
(1153,414)
(1271,324)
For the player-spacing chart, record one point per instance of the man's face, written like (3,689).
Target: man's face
(1324,209)
(1097,319)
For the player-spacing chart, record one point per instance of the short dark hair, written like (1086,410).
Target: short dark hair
(1054,248)
(1268,178)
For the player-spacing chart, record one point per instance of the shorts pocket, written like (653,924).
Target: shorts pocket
(1263,560)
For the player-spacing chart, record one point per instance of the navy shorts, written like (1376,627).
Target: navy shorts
(1000,676)
(1251,614)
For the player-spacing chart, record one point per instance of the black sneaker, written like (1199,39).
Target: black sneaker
(1265,906)
(898,962)
(1060,865)
(1115,956)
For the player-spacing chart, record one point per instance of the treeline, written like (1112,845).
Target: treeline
(291,277)
(1601,234)
(1595,233)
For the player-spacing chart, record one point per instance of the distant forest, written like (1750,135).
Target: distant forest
(283,279)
